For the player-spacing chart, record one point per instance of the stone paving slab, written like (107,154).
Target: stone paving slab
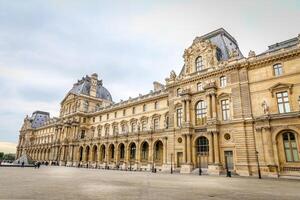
(79,183)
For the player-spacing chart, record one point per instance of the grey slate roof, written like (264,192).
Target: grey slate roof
(223,40)
(38,118)
(280,45)
(83,87)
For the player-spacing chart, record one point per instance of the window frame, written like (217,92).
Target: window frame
(201,112)
(277,67)
(225,108)
(199,64)
(281,100)
(223,81)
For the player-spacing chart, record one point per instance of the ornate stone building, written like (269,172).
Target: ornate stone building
(222,110)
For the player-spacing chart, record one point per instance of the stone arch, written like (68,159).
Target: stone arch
(132,150)
(87,153)
(144,151)
(94,153)
(121,150)
(80,153)
(102,153)
(158,152)
(282,150)
(111,153)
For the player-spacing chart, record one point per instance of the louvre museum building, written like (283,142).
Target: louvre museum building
(222,111)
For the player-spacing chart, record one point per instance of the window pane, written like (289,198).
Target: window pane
(280,107)
(296,155)
(288,155)
(287,107)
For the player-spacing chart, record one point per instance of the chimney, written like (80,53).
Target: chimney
(93,88)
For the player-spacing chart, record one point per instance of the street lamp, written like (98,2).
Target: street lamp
(171,163)
(258,167)
(199,163)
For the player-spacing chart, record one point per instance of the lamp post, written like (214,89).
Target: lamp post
(199,163)
(258,167)
(171,163)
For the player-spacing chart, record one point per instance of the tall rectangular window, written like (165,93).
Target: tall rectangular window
(283,102)
(277,69)
(225,109)
(223,81)
(199,87)
(179,117)
(155,124)
(144,125)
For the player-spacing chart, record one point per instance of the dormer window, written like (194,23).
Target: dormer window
(277,69)
(199,64)
(199,86)
(223,81)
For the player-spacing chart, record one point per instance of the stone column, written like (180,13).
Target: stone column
(184,111)
(208,106)
(165,160)
(210,148)
(216,147)
(184,149)
(188,115)
(116,154)
(214,106)
(188,147)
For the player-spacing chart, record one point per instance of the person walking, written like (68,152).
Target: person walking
(22,164)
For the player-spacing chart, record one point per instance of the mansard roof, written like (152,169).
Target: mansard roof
(38,118)
(282,45)
(83,87)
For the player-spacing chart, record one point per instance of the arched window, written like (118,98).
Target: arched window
(223,81)
(145,151)
(277,69)
(200,113)
(132,151)
(290,147)
(199,64)
(202,146)
(122,151)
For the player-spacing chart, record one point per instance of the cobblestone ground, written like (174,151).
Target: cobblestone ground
(74,183)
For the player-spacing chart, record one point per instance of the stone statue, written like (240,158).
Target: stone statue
(265,107)
(251,53)
(172,75)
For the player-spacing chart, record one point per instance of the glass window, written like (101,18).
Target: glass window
(283,102)
(133,110)
(145,151)
(107,116)
(82,134)
(223,81)
(156,105)
(132,151)
(133,127)
(225,109)
(115,114)
(122,151)
(155,124)
(179,116)
(199,64)
(144,107)
(199,87)
(107,131)
(290,147)
(115,130)
(144,125)
(202,146)
(277,69)
(200,113)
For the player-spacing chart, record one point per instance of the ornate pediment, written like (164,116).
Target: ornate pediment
(224,95)
(281,86)
(206,50)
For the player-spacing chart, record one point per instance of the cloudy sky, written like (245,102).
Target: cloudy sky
(45,46)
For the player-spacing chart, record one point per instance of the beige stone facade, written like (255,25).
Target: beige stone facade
(222,111)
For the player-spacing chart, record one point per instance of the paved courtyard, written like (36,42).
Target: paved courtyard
(74,183)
